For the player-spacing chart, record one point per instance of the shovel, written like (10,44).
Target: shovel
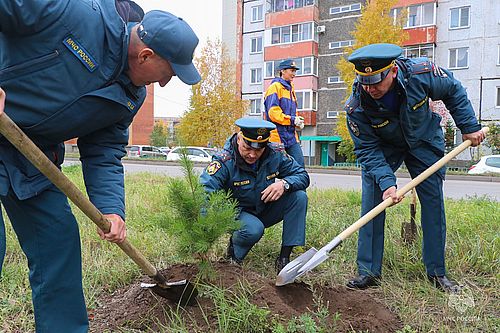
(312,258)
(181,292)
(409,229)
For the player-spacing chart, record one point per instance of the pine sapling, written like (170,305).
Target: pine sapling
(198,219)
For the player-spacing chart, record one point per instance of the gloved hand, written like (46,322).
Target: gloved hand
(299,122)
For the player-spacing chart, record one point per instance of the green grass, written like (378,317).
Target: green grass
(473,258)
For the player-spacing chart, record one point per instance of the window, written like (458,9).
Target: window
(416,51)
(498,55)
(334,79)
(256,75)
(307,66)
(343,43)
(493,161)
(292,33)
(255,107)
(459,58)
(344,9)
(498,97)
(257,14)
(280,5)
(306,100)
(333,114)
(256,45)
(459,17)
(418,15)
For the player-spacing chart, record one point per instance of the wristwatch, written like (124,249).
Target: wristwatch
(286,185)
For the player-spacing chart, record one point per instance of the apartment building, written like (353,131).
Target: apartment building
(462,35)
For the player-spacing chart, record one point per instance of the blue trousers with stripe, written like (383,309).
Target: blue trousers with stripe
(433,219)
(49,236)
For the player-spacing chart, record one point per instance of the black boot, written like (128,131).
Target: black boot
(230,253)
(280,263)
(444,284)
(364,281)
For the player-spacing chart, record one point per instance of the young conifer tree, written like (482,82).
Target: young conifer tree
(198,219)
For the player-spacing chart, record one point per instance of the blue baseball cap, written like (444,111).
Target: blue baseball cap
(373,62)
(174,40)
(287,63)
(255,131)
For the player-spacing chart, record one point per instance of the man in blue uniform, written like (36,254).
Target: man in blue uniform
(268,184)
(390,122)
(76,69)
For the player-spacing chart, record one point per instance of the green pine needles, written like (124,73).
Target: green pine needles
(198,219)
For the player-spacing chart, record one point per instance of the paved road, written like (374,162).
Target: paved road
(454,187)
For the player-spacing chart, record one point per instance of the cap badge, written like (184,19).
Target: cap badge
(292,63)
(261,131)
(368,70)
(259,137)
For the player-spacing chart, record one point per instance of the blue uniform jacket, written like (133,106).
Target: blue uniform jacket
(228,171)
(64,78)
(281,108)
(381,137)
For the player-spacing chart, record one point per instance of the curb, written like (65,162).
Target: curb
(489,179)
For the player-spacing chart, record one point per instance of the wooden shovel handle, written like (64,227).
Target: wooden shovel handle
(24,144)
(405,189)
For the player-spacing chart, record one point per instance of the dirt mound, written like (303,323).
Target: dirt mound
(139,309)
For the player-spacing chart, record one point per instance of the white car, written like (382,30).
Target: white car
(487,164)
(143,151)
(195,154)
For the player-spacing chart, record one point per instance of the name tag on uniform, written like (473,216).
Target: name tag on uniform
(241,183)
(273,175)
(80,53)
(131,105)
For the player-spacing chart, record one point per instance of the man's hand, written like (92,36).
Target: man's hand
(476,138)
(117,232)
(299,122)
(273,192)
(391,192)
(2,100)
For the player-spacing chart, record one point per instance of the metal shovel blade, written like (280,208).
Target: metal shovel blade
(290,272)
(181,292)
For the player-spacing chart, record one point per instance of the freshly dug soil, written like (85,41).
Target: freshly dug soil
(140,310)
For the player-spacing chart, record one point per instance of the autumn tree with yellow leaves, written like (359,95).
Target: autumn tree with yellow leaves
(215,102)
(376,25)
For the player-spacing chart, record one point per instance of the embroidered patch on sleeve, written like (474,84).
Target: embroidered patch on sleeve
(354,127)
(213,167)
(80,53)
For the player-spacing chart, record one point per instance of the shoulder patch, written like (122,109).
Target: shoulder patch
(223,156)
(213,167)
(438,71)
(354,127)
(422,67)
(351,104)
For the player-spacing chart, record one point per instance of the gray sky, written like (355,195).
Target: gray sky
(205,17)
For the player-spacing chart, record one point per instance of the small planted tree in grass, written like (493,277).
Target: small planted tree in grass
(198,219)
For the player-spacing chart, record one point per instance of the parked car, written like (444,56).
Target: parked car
(164,150)
(195,154)
(487,164)
(143,151)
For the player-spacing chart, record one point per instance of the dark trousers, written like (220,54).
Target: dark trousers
(371,235)
(295,151)
(49,236)
(291,208)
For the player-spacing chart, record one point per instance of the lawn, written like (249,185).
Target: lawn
(473,248)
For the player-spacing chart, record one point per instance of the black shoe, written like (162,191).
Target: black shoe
(444,284)
(280,263)
(364,281)
(230,253)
